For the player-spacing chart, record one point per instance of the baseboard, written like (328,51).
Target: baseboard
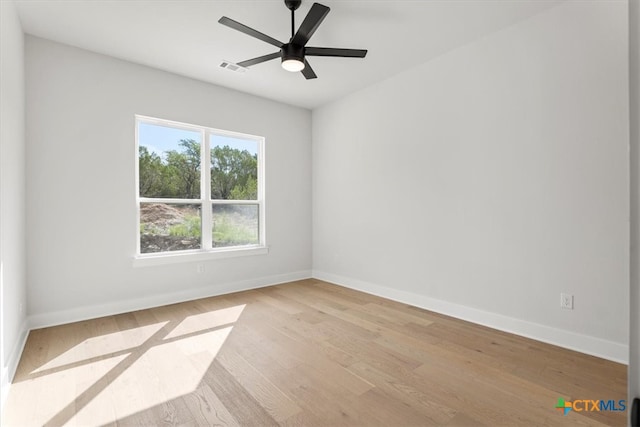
(13,359)
(582,343)
(91,312)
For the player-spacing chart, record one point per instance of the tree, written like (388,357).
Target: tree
(151,173)
(247,192)
(184,170)
(234,174)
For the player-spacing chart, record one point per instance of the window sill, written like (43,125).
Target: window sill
(148,260)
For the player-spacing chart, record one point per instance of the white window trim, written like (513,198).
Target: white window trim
(208,252)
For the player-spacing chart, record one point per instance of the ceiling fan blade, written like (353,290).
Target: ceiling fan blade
(310,24)
(249,31)
(259,59)
(307,71)
(330,51)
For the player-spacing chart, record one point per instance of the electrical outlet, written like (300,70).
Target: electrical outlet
(566,301)
(200,268)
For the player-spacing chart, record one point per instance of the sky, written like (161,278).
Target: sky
(159,139)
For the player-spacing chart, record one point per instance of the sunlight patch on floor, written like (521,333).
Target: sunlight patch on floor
(207,320)
(112,376)
(48,394)
(102,346)
(162,373)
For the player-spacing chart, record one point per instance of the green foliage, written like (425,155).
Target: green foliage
(191,227)
(144,228)
(184,168)
(248,191)
(177,175)
(234,173)
(150,229)
(227,232)
(151,173)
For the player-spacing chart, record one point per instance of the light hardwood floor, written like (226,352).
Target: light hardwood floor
(302,353)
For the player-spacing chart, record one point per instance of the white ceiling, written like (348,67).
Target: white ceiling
(184,37)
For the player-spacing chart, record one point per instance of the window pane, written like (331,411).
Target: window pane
(169,162)
(234,168)
(235,225)
(168,227)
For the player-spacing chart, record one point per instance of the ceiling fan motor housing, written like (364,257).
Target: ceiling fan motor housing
(291,51)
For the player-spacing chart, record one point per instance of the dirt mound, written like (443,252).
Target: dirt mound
(157,213)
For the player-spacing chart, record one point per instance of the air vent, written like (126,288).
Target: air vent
(227,65)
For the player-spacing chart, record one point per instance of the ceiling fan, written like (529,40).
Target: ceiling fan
(294,52)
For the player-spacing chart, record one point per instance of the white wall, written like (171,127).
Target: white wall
(12,193)
(81,191)
(486,182)
(634,91)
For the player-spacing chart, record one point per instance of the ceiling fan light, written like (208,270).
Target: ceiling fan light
(293,65)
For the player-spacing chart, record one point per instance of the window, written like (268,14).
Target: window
(200,190)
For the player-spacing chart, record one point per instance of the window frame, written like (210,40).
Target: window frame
(207,251)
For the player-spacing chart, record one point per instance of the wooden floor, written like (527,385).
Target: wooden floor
(303,353)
